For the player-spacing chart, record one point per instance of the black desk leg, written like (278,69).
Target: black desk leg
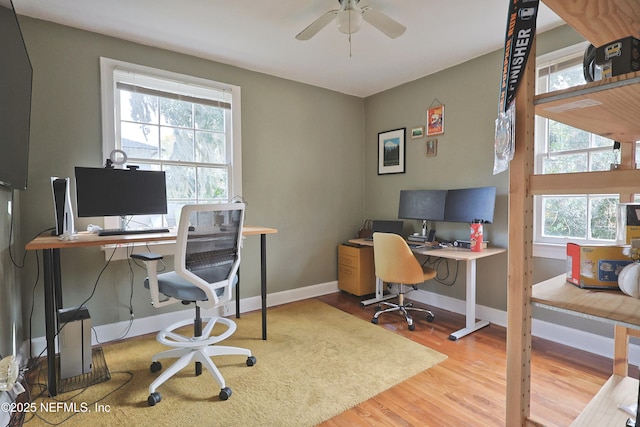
(57,282)
(263,285)
(263,282)
(50,318)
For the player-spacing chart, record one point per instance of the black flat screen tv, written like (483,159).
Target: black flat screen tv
(15,101)
(120,192)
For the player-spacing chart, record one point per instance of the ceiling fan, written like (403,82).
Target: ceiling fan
(349,18)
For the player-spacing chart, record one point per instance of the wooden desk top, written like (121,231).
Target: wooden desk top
(85,238)
(458,254)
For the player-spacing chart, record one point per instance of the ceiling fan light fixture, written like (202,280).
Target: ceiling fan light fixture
(349,21)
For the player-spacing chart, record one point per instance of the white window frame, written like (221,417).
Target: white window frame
(167,79)
(556,247)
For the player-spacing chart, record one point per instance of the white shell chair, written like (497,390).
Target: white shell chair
(206,265)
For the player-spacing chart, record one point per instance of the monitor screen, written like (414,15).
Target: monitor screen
(469,204)
(120,192)
(422,204)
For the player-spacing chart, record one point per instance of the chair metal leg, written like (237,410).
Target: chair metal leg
(404,309)
(197,332)
(171,371)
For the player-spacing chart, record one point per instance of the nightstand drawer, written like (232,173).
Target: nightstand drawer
(348,259)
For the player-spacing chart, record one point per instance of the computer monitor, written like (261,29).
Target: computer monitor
(120,192)
(470,204)
(423,205)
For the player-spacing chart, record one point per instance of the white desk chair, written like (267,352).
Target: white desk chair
(206,265)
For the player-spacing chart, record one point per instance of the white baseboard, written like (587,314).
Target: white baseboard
(575,338)
(151,324)
(592,343)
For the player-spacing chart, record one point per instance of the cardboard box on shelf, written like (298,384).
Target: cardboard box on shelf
(628,223)
(595,266)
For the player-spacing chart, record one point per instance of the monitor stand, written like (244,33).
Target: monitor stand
(424,237)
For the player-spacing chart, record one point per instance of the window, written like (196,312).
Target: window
(185,126)
(580,218)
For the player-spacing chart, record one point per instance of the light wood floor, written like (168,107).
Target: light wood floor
(469,388)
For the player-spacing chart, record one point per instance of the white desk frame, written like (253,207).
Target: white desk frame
(457,254)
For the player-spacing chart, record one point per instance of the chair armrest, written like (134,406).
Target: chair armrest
(147,256)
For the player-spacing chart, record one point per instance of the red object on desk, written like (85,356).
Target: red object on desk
(476,237)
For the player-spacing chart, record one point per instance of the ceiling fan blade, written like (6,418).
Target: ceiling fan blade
(383,23)
(317,25)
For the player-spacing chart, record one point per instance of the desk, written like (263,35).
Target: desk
(51,245)
(457,254)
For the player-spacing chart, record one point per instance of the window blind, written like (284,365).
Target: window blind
(175,96)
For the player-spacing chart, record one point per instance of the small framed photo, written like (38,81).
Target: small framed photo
(417,132)
(435,120)
(391,151)
(432,147)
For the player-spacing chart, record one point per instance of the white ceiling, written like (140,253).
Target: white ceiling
(259,35)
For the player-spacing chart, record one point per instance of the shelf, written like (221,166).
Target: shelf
(608,108)
(604,305)
(603,408)
(599,21)
(619,181)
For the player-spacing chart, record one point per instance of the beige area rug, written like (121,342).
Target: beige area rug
(318,361)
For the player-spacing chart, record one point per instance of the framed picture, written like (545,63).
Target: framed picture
(417,132)
(435,120)
(432,147)
(391,151)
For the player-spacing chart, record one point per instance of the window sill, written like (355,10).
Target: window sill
(550,250)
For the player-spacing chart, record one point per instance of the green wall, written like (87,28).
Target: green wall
(464,157)
(302,167)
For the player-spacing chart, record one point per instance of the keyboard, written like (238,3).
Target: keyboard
(122,231)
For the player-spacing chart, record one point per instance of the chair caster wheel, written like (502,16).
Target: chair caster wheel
(374,320)
(225,393)
(412,327)
(155,367)
(154,398)
(430,317)
(251,360)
